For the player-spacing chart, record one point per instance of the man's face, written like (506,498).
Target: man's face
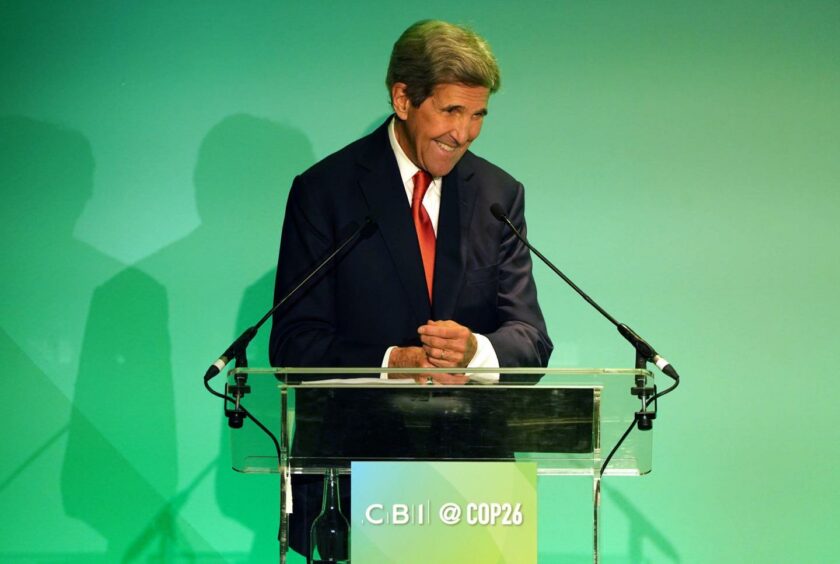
(436,134)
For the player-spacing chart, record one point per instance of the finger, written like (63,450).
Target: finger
(448,359)
(443,355)
(440,363)
(447,332)
(436,342)
(453,345)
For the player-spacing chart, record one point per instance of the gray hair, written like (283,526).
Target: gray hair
(432,52)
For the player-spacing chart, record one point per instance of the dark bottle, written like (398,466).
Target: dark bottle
(329,537)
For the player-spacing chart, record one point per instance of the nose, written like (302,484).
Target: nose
(463,130)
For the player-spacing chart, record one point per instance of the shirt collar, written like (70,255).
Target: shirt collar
(407,168)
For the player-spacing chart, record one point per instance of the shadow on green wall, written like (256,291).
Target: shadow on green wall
(244,168)
(143,343)
(118,468)
(136,335)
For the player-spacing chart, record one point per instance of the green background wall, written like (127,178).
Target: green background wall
(681,161)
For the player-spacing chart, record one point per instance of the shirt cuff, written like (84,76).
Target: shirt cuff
(384,375)
(484,357)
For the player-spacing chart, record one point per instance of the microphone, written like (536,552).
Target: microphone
(234,350)
(643,348)
(241,343)
(499,213)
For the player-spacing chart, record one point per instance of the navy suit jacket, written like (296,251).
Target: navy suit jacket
(375,295)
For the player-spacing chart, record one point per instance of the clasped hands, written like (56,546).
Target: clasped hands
(446,344)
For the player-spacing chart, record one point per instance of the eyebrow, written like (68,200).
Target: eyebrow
(482,112)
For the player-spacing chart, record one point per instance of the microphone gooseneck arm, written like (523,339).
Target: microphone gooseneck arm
(643,349)
(241,343)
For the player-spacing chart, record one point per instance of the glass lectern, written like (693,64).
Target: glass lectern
(565,420)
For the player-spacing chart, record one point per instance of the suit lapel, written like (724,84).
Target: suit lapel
(456,208)
(385,195)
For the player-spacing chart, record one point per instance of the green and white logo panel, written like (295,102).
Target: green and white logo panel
(407,512)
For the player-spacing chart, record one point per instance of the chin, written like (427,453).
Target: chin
(442,170)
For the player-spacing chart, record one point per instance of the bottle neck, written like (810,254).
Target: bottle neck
(331,500)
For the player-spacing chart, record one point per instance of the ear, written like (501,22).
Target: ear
(399,100)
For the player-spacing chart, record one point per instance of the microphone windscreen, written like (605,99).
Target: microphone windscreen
(497,211)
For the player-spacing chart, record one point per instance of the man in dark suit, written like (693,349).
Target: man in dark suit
(440,282)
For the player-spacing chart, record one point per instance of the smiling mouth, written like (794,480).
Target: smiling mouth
(445,147)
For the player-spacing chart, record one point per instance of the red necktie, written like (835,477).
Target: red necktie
(423,226)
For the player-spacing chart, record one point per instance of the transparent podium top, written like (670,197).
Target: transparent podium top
(567,420)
